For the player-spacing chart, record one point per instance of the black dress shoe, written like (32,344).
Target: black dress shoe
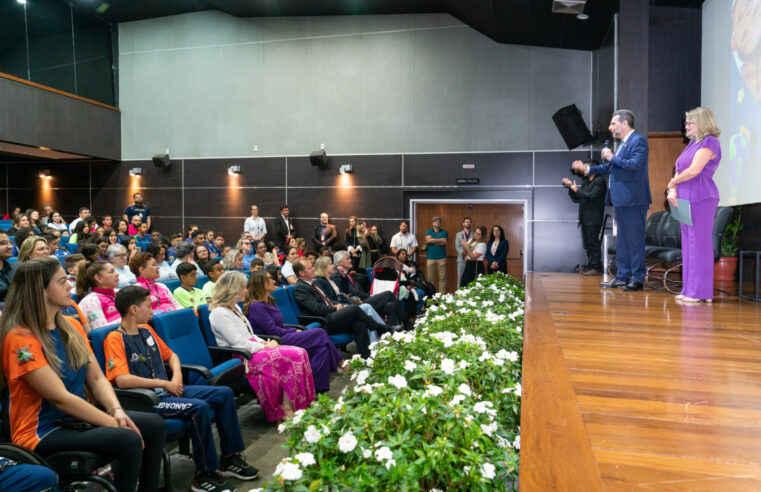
(633,286)
(612,283)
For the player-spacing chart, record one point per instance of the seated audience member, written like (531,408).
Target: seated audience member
(165,269)
(257,265)
(171,252)
(131,245)
(155,236)
(189,232)
(311,256)
(184,252)
(122,229)
(213,269)
(45,211)
(99,231)
(301,245)
(266,319)
(34,219)
(208,237)
(275,274)
(414,275)
(144,266)
(384,303)
(96,286)
(187,294)
(56,222)
(20,237)
(323,270)
(89,251)
(291,256)
(48,371)
(210,244)
(233,260)
(341,318)
(19,477)
(80,230)
(7,269)
(127,350)
(19,222)
(267,257)
(13,214)
(112,236)
(107,222)
(404,240)
(324,234)
(215,249)
(280,375)
(117,254)
(246,246)
(102,243)
(134,225)
(201,255)
(72,263)
(33,247)
(142,233)
(54,245)
(84,212)
(226,249)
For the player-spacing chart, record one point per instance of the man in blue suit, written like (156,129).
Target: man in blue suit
(630,194)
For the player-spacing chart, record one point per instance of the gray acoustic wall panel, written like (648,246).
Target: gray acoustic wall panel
(208,84)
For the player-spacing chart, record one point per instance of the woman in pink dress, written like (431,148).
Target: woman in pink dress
(693,182)
(145,268)
(96,286)
(279,374)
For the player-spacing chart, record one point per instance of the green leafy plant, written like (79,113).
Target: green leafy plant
(433,409)
(730,241)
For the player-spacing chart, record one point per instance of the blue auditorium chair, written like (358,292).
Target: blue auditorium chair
(339,340)
(72,247)
(172,285)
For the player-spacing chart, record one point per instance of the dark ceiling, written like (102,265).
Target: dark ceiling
(528,22)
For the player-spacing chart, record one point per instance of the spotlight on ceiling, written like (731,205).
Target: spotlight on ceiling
(582,16)
(136,171)
(233,170)
(44,174)
(346,169)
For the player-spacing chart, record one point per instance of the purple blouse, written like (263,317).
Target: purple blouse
(266,319)
(701,187)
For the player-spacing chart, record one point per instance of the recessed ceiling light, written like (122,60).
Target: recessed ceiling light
(22,2)
(582,16)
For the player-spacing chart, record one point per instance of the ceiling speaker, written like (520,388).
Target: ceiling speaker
(319,159)
(162,160)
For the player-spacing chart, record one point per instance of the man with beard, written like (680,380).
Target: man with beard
(138,208)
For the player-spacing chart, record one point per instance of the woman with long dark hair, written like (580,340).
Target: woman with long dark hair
(47,364)
(496,251)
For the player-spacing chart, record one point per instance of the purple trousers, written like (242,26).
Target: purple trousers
(697,251)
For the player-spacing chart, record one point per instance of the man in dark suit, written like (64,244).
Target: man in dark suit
(324,234)
(283,227)
(341,318)
(591,199)
(384,303)
(630,195)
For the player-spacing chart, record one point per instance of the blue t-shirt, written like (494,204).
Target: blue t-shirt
(133,210)
(73,380)
(436,251)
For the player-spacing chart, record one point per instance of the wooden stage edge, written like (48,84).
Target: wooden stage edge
(635,391)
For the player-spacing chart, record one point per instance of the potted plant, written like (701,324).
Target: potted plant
(725,268)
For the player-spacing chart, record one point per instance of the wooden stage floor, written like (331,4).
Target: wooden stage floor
(634,391)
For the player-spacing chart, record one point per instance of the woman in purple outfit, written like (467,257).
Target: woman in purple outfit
(693,182)
(266,319)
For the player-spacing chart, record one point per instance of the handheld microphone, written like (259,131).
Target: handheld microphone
(607,145)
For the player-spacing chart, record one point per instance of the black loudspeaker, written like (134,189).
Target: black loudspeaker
(162,160)
(572,127)
(319,158)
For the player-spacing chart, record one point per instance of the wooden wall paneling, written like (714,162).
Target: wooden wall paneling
(665,147)
(492,169)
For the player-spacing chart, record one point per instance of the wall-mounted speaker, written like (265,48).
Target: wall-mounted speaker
(319,159)
(162,160)
(571,126)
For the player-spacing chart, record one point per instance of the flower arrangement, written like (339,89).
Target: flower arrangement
(433,409)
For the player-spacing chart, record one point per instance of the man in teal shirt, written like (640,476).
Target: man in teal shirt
(436,254)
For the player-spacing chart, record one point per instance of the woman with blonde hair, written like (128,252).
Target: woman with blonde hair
(280,375)
(266,319)
(33,247)
(47,365)
(233,260)
(693,182)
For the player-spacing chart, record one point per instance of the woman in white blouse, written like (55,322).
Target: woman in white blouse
(280,375)
(474,252)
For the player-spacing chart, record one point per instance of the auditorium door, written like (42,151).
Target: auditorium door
(509,215)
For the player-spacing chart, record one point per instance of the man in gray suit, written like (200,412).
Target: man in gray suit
(464,235)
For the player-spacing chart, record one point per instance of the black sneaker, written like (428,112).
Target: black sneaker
(235,466)
(210,482)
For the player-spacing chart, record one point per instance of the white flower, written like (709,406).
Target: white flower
(447,365)
(356,357)
(498,362)
(288,470)
(463,364)
(339,404)
(281,428)
(260,490)
(390,463)
(326,430)
(517,442)
(485,407)
(409,365)
(305,459)
(464,389)
(518,389)
(362,376)
(312,435)
(489,429)
(383,453)
(414,357)
(488,470)
(366,453)
(297,416)
(432,390)
(456,400)
(399,381)
(365,388)
(466,468)
(347,442)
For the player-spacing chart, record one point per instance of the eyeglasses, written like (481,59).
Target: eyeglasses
(4,243)
(120,255)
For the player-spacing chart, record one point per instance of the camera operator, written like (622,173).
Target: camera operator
(591,199)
